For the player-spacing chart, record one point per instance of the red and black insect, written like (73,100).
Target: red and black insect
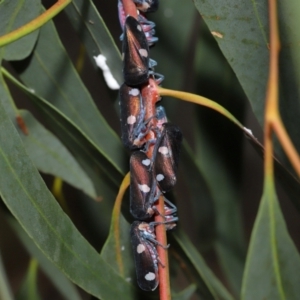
(146,258)
(132,110)
(146,6)
(135,53)
(143,187)
(166,156)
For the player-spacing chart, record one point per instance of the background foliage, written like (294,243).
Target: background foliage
(50,236)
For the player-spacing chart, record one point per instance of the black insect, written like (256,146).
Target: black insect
(132,110)
(143,187)
(166,156)
(135,53)
(146,5)
(143,242)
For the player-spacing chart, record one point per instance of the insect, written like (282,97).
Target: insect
(133,126)
(166,156)
(147,26)
(146,5)
(146,258)
(135,53)
(143,188)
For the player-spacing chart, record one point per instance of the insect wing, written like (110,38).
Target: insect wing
(142,186)
(135,53)
(132,115)
(145,257)
(167,156)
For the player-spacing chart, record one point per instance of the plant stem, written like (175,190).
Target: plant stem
(35,23)
(163,268)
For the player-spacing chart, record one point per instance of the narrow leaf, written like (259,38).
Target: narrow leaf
(51,75)
(29,200)
(5,291)
(14,14)
(273,262)
(212,288)
(63,285)
(94,34)
(29,287)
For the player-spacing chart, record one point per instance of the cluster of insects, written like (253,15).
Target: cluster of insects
(154,142)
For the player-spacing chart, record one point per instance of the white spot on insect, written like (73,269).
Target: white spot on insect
(131,120)
(128,279)
(134,92)
(123,248)
(146,162)
(150,276)
(109,78)
(168,13)
(217,34)
(31,90)
(140,248)
(139,28)
(144,188)
(163,150)
(160,177)
(143,52)
(248,130)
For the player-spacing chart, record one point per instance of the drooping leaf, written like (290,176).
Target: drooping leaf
(27,197)
(94,34)
(186,293)
(51,75)
(47,153)
(14,14)
(29,287)
(86,153)
(242,32)
(211,287)
(273,261)
(229,241)
(5,291)
(59,280)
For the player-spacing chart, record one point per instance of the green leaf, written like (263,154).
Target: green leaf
(51,75)
(94,34)
(29,200)
(50,156)
(273,262)
(47,153)
(5,291)
(29,286)
(108,252)
(241,31)
(86,153)
(211,287)
(59,280)
(14,14)
(229,240)
(186,293)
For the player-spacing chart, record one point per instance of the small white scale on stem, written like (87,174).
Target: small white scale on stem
(109,78)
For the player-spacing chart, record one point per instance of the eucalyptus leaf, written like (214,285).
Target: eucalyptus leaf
(230,240)
(29,287)
(242,32)
(94,34)
(84,150)
(27,197)
(273,262)
(5,291)
(63,285)
(186,293)
(212,288)
(51,75)
(14,14)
